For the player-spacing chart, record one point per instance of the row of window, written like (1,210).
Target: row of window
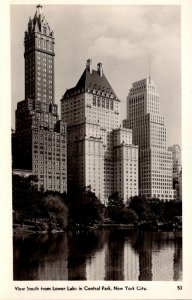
(102,102)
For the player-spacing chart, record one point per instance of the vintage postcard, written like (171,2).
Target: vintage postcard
(96,150)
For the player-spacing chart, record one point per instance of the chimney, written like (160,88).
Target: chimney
(100,69)
(39,9)
(89,65)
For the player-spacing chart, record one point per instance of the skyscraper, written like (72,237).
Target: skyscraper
(149,132)
(91,110)
(177,170)
(176,155)
(39,141)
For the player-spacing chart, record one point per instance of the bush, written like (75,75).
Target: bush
(62,222)
(85,208)
(128,216)
(55,210)
(42,226)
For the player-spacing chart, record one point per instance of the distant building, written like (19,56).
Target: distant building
(22,173)
(149,132)
(177,170)
(91,110)
(176,155)
(125,164)
(39,140)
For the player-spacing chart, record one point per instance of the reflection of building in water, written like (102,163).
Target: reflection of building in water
(86,257)
(177,260)
(114,256)
(54,267)
(97,256)
(143,246)
(165,273)
(145,258)
(131,261)
(163,246)
(95,266)
(76,259)
(41,257)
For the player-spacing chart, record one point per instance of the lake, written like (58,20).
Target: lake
(99,254)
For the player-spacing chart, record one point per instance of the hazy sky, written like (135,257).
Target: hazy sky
(121,37)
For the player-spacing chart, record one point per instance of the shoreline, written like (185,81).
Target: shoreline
(25,229)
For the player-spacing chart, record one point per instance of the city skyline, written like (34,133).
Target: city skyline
(118,43)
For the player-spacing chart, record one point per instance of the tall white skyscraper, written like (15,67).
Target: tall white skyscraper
(91,110)
(149,132)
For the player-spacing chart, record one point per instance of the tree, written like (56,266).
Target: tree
(115,201)
(171,210)
(156,209)
(85,208)
(54,209)
(26,198)
(127,216)
(114,206)
(140,205)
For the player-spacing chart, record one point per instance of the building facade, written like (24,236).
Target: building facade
(149,133)
(125,164)
(39,140)
(91,111)
(177,170)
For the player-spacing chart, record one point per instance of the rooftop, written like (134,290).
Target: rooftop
(92,81)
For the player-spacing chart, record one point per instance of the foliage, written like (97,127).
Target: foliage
(114,206)
(55,210)
(42,226)
(85,208)
(171,210)
(115,202)
(141,207)
(126,216)
(155,209)
(26,198)
(29,203)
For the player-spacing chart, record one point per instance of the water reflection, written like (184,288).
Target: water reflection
(99,255)
(114,256)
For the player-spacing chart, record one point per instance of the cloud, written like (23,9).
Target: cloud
(167,47)
(120,36)
(115,47)
(112,20)
(129,31)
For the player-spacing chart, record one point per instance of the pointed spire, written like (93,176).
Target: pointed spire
(38,23)
(149,69)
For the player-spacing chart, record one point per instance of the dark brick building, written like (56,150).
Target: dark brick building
(39,140)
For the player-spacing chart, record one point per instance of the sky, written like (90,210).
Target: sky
(121,37)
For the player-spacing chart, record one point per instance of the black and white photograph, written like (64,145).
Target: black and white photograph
(96,148)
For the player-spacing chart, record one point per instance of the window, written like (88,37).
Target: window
(94,100)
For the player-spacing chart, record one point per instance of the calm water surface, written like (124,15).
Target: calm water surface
(99,255)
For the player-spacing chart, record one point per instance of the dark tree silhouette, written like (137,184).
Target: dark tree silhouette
(85,208)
